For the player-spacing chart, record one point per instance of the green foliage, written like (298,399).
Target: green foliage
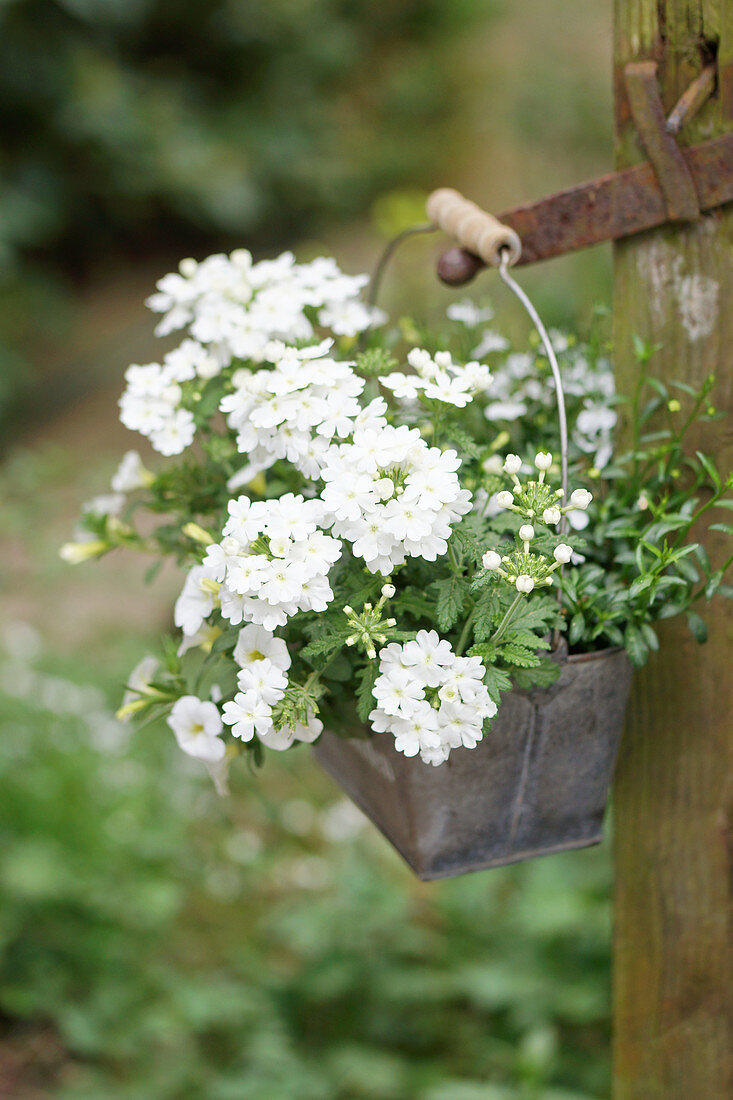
(128,126)
(272,945)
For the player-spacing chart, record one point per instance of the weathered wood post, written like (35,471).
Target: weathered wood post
(673,983)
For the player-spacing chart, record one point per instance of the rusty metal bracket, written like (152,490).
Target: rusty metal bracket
(675,178)
(674,184)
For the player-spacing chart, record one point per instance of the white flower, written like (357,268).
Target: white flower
(643,502)
(552,515)
(138,683)
(526,532)
(468,313)
(254,643)
(430,699)
(490,341)
(524,583)
(512,464)
(580,498)
(388,591)
(391,496)
(248,714)
(265,679)
(131,474)
(107,504)
(197,600)
(504,499)
(491,560)
(197,725)
(543,460)
(563,553)
(273,561)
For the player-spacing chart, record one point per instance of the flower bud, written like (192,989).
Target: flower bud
(580,498)
(524,583)
(491,560)
(562,553)
(526,532)
(388,591)
(492,465)
(543,460)
(512,464)
(552,515)
(504,499)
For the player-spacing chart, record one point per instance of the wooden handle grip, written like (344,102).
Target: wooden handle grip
(472,227)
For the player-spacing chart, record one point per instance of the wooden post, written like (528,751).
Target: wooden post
(673,979)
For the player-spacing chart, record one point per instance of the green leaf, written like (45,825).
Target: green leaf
(709,469)
(365,701)
(726,528)
(712,586)
(698,626)
(463,442)
(495,679)
(543,676)
(325,644)
(636,646)
(519,655)
(577,627)
(451,596)
(640,585)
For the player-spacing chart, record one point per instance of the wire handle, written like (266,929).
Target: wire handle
(472,227)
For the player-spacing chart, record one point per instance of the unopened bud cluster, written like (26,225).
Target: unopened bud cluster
(369,628)
(537,503)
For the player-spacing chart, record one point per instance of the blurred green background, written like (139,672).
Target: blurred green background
(157,943)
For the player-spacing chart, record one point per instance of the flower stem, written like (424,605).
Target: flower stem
(502,627)
(464,633)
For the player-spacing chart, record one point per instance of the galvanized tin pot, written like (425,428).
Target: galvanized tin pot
(538,782)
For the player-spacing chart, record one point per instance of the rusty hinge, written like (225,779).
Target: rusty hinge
(674,184)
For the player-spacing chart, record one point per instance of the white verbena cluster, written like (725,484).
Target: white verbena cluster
(429,698)
(392,496)
(272,562)
(263,660)
(438,378)
(234,309)
(294,410)
(518,393)
(238,305)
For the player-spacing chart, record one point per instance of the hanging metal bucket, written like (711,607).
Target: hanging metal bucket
(538,782)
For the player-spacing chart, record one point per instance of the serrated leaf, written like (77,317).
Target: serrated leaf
(324,644)
(543,676)
(365,701)
(520,656)
(463,442)
(451,596)
(495,679)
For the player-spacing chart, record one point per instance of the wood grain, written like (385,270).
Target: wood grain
(673,978)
